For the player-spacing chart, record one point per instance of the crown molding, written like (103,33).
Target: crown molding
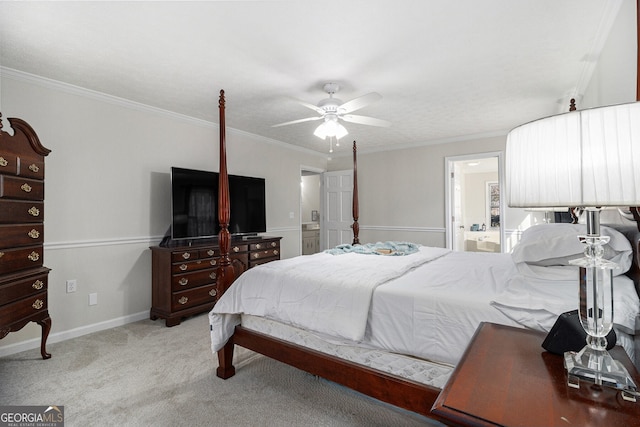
(57,85)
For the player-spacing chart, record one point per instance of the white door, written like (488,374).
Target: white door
(338,216)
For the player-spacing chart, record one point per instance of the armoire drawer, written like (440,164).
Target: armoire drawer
(31,167)
(8,164)
(193,297)
(12,236)
(22,288)
(20,259)
(13,187)
(18,211)
(18,310)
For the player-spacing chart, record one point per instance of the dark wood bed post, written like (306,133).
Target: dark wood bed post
(225,273)
(354,207)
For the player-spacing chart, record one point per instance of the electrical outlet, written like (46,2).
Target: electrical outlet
(93,299)
(72,286)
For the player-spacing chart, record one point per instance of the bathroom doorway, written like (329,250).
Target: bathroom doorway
(475,209)
(310,210)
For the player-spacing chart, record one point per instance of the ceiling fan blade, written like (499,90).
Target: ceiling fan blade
(362,101)
(308,119)
(312,107)
(364,120)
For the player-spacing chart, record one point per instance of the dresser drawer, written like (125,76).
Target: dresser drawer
(264,245)
(181,282)
(22,309)
(209,253)
(21,211)
(20,259)
(186,255)
(12,187)
(193,297)
(271,253)
(8,164)
(21,235)
(199,264)
(23,288)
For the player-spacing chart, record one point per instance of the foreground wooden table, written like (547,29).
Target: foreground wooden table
(505,378)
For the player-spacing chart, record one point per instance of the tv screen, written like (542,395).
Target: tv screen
(194,204)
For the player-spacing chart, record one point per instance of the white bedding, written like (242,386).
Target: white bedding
(433,311)
(329,294)
(427,307)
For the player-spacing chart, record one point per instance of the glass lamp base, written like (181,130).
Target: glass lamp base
(598,367)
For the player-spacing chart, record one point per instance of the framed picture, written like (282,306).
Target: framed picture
(493,204)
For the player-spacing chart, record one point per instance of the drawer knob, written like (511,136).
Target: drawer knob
(33,211)
(274,244)
(210,252)
(212,292)
(275,252)
(212,276)
(186,255)
(26,188)
(3,162)
(258,246)
(183,300)
(33,167)
(1,254)
(236,249)
(34,234)
(38,284)
(38,304)
(183,267)
(213,262)
(183,281)
(34,256)
(256,255)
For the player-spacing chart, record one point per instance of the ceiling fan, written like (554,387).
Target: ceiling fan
(332,110)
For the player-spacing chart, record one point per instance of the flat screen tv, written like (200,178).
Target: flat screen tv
(194,204)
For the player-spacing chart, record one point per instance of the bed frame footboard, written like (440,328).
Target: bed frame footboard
(397,391)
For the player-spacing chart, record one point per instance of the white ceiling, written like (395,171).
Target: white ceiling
(447,70)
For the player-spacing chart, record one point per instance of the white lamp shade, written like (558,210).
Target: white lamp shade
(588,158)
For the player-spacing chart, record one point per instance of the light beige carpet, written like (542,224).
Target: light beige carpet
(145,374)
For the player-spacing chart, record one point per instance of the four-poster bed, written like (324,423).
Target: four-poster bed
(416,383)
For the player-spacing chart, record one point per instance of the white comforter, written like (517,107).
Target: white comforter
(426,305)
(328,294)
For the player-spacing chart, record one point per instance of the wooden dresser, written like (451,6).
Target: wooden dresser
(23,278)
(183,278)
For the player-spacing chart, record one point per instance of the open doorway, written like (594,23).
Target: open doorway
(475,209)
(310,210)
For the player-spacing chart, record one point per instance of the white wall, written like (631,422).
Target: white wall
(402,192)
(107,194)
(614,79)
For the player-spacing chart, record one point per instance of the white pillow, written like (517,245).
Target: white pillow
(555,244)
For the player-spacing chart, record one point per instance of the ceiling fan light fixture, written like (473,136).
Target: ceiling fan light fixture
(330,128)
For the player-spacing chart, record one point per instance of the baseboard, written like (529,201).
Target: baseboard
(73,333)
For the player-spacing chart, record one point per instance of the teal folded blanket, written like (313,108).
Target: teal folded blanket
(380,248)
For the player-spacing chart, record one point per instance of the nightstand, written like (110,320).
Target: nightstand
(505,378)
